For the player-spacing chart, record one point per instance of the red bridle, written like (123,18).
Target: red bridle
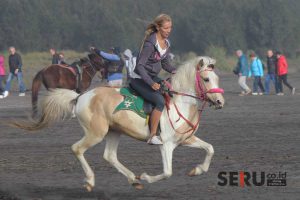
(201,91)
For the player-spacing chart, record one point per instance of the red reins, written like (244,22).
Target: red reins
(201,95)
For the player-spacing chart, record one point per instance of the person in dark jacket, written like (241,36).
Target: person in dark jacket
(55,56)
(271,74)
(153,56)
(15,70)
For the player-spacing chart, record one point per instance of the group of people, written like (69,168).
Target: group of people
(277,70)
(15,71)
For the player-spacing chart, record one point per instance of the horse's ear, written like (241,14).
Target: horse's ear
(200,64)
(84,59)
(89,56)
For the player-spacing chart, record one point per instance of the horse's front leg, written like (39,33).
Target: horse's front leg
(110,154)
(167,154)
(198,143)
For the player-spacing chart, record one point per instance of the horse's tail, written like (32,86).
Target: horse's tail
(56,106)
(36,84)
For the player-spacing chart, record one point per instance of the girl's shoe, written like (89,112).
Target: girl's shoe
(154,140)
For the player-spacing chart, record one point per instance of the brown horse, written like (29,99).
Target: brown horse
(64,76)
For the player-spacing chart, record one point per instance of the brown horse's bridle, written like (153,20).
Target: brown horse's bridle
(93,68)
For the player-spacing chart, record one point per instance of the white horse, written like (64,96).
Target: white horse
(95,112)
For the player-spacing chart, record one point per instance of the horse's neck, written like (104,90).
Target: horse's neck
(183,81)
(90,71)
(185,103)
(187,108)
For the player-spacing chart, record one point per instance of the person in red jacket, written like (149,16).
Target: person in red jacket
(2,73)
(282,70)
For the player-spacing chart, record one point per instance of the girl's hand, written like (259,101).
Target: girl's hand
(155,86)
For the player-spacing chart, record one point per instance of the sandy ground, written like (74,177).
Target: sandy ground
(253,133)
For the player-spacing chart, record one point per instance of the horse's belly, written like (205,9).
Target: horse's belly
(131,124)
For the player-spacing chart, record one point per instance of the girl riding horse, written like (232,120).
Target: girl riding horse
(153,56)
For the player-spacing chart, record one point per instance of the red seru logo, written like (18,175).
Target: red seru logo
(243,179)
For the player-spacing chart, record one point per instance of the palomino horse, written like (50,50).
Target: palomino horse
(94,109)
(64,76)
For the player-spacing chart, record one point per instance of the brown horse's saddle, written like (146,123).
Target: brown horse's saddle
(77,72)
(66,66)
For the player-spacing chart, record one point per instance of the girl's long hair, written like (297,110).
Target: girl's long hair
(158,22)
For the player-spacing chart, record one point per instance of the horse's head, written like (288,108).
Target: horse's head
(197,76)
(97,60)
(100,62)
(207,82)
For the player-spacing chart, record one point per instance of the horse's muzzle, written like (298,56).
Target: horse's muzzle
(217,104)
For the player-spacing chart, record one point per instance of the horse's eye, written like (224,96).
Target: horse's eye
(206,79)
(212,66)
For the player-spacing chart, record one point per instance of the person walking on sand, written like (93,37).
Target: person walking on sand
(256,69)
(243,71)
(2,74)
(282,67)
(15,70)
(271,73)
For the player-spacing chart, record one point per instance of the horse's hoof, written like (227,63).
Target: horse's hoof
(138,177)
(138,186)
(88,187)
(192,172)
(144,176)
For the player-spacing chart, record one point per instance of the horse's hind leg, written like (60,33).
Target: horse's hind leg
(110,154)
(195,142)
(80,147)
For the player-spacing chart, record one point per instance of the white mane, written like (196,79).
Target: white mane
(184,79)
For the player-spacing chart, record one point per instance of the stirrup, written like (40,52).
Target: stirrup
(154,140)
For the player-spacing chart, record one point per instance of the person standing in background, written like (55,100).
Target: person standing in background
(272,72)
(282,67)
(15,70)
(256,69)
(243,71)
(55,56)
(2,74)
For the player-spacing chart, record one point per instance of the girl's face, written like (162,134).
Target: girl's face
(165,29)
